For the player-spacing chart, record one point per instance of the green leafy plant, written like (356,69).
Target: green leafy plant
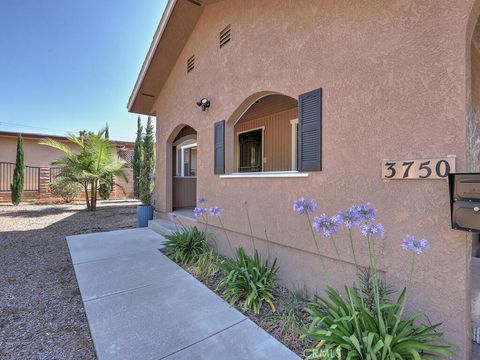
(92,162)
(206,265)
(18,174)
(185,246)
(289,322)
(65,189)
(248,279)
(367,289)
(343,331)
(106,186)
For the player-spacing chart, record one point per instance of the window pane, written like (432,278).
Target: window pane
(250,147)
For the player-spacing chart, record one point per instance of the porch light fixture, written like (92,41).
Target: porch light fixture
(204,104)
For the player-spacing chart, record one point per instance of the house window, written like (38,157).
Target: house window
(187,160)
(250,151)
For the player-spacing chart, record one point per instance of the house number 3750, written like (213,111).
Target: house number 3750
(437,168)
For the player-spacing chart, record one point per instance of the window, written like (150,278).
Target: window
(187,160)
(250,151)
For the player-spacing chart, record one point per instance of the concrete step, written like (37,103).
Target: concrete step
(162,226)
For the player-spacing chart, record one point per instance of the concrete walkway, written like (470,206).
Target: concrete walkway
(141,305)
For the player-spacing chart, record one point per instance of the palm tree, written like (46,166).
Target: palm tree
(93,161)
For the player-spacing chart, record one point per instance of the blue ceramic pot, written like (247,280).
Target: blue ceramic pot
(144,213)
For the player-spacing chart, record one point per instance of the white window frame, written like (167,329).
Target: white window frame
(294,124)
(182,158)
(238,145)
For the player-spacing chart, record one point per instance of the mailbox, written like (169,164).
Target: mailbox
(465,201)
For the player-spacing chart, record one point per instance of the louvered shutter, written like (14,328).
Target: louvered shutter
(310,131)
(219,144)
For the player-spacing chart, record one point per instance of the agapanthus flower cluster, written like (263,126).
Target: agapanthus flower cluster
(199,212)
(202,199)
(172,216)
(216,210)
(152,176)
(303,206)
(350,217)
(327,225)
(415,245)
(374,231)
(365,212)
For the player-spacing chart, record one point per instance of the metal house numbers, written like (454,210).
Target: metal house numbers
(420,169)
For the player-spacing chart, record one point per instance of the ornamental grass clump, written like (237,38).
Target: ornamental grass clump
(249,279)
(363,323)
(186,245)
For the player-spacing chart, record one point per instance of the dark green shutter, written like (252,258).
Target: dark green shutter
(219,143)
(310,131)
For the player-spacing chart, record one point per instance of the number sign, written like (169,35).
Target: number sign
(418,169)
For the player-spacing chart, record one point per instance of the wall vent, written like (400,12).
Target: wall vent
(191,63)
(225,36)
(196,2)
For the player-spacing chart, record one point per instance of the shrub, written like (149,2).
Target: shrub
(355,332)
(18,174)
(185,246)
(248,279)
(105,188)
(364,324)
(67,190)
(206,265)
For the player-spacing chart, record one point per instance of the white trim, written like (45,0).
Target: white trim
(148,59)
(182,158)
(294,123)
(263,144)
(269,174)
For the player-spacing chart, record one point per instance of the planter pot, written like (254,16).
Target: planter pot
(144,213)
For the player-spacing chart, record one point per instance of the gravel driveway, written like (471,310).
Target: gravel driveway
(41,313)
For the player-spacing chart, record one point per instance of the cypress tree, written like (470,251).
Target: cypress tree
(137,159)
(148,163)
(106,184)
(18,174)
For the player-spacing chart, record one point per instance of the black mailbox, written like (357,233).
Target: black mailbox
(465,201)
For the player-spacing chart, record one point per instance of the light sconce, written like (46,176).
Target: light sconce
(204,104)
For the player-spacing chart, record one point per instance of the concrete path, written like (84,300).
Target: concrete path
(141,305)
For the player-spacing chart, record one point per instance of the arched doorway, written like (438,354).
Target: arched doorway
(265,134)
(184,169)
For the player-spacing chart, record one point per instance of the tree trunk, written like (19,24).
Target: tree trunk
(93,199)
(87,195)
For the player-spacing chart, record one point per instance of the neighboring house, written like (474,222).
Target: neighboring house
(308,98)
(39,172)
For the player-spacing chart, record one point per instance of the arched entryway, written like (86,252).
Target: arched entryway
(184,169)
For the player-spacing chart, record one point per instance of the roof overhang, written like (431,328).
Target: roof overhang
(177,23)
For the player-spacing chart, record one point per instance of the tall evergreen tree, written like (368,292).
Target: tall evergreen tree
(18,174)
(106,184)
(137,162)
(148,163)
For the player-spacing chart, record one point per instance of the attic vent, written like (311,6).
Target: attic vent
(196,2)
(225,36)
(191,63)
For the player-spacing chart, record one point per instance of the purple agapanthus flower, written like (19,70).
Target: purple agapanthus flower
(199,212)
(152,176)
(304,206)
(202,199)
(216,210)
(414,245)
(366,212)
(350,217)
(172,216)
(373,231)
(327,225)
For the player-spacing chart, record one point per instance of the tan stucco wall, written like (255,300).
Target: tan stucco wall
(393,75)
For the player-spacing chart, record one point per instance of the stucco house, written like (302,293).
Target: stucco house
(329,100)
(39,172)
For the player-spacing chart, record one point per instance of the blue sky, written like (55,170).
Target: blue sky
(69,65)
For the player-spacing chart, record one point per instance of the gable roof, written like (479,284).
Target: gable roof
(176,25)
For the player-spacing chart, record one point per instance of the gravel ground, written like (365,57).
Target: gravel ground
(41,313)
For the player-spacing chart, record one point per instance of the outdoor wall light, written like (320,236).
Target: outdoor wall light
(204,104)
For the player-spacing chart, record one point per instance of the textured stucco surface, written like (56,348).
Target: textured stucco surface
(395,79)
